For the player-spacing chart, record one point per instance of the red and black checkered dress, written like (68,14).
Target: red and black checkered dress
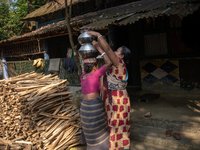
(117,106)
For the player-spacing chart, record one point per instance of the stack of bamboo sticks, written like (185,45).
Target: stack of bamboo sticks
(38,110)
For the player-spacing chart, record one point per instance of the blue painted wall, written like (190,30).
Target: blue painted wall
(50,22)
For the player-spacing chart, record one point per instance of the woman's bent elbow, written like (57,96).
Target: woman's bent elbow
(110,64)
(107,65)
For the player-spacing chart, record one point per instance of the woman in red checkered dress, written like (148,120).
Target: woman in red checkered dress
(115,96)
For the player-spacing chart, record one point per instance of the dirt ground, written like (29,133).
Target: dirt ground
(173,107)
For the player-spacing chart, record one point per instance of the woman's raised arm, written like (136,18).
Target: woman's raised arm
(107,60)
(105,47)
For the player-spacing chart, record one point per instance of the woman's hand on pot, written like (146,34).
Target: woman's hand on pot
(95,44)
(93,33)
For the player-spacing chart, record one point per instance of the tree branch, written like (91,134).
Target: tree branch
(70,9)
(71,38)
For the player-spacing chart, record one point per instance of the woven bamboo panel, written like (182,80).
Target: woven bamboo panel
(31,47)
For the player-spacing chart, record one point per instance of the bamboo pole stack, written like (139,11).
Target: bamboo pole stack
(37,113)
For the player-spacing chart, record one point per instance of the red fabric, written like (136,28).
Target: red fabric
(118,110)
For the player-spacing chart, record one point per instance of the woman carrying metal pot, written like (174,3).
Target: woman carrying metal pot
(93,120)
(115,96)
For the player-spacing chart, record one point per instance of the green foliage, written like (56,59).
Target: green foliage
(11,12)
(4,11)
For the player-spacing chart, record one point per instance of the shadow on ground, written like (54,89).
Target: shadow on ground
(180,113)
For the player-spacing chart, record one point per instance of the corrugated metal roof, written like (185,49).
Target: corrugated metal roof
(121,15)
(180,10)
(132,12)
(49,8)
(43,30)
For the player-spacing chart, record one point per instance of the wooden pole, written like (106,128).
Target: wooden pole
(20,66)
(38,44)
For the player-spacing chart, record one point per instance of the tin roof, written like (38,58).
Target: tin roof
(132,12)
(121,15)
(43,30)
(50,7)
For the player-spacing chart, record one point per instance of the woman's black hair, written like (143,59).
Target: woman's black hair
(127,54)
(89,66)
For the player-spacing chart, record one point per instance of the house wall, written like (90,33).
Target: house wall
(24,49)
(58,46)
(117,37)
(77,9)
(189,74)
(170,74)
(160,72)
(169,56)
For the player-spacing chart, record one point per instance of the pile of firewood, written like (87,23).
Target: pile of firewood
(37,112)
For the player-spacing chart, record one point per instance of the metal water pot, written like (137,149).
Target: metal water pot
(84,38)
(87,50)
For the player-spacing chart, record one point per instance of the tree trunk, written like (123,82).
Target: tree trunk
(30,9)
(71,38)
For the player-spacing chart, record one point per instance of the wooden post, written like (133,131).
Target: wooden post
(2,67)
(1,62)
(20,66)
(38,44)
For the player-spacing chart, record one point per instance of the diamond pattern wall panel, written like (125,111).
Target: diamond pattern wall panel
(157,72)
(168,67)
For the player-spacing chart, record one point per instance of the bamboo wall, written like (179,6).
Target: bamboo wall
(23,49)
(16,68)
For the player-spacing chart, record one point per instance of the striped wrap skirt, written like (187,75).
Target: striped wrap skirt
(94,124)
